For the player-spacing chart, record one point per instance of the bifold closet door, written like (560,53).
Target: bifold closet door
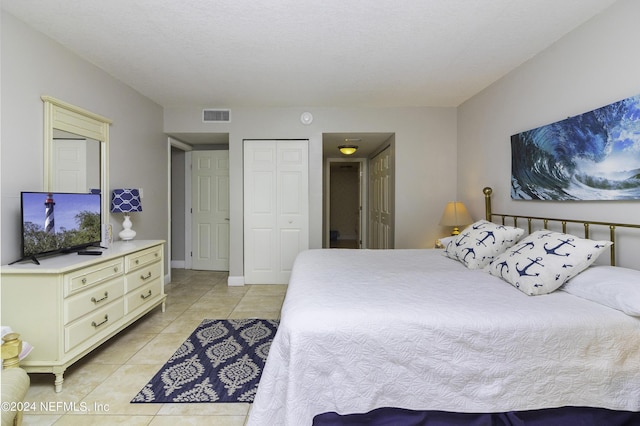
(276,208)
(380,206)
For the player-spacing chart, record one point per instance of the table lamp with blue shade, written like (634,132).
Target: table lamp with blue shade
(126,201)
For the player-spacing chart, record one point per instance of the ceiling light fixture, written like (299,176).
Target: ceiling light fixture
(348,149)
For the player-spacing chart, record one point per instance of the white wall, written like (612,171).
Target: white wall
(425,161)
(591,67)
(34,65)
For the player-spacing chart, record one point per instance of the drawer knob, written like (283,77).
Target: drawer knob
(106,296)
(145,296)
(84,281)
(156,254)
(96,325)
(137,261)
(115,269)
(145,277)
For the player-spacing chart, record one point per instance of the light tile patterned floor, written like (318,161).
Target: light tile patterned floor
(98,388)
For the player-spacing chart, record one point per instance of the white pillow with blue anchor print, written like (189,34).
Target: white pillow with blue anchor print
(544,260)
(481,242)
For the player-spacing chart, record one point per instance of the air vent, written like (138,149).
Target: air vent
(216,115)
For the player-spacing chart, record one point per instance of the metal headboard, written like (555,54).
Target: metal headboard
(490,215)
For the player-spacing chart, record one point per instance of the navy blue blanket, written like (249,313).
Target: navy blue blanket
(563,416)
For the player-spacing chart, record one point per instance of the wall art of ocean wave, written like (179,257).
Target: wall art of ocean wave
(592,156)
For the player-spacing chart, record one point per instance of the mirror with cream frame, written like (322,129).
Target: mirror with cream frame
(76,150)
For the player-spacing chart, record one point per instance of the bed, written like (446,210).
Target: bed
(363,332)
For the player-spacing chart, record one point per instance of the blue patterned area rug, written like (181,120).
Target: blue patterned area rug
(221,361)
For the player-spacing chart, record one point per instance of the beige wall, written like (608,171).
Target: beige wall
(591,67)
(34,65)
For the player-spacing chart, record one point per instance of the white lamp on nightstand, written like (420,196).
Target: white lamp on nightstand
(455,214)
(126,201)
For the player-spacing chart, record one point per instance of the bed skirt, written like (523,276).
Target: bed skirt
(563,416)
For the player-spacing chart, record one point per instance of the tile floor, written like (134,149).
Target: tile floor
(108,378)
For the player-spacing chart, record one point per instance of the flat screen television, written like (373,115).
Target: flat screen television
(54,222)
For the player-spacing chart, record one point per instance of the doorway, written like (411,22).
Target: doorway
(346,203)
(180,154)
(372,150)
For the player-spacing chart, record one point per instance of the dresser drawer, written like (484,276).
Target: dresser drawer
(92,324)
(142,258)
(143,276)
(92,298)
(142,295)
(95,274)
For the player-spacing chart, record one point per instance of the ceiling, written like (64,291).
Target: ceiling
(285,53)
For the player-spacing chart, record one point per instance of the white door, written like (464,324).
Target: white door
(381,205)
(70,165)
(210,210)
(276,208)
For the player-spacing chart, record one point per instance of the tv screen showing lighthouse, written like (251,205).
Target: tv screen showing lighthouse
(58,222)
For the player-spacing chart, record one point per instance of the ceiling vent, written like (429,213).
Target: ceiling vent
(216,115)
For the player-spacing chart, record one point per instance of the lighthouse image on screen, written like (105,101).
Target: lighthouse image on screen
(58,222)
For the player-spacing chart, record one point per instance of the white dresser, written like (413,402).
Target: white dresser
(70,304)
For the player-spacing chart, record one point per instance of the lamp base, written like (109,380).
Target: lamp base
(455,231)
(127,233)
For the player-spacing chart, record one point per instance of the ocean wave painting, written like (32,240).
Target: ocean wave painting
(592,156)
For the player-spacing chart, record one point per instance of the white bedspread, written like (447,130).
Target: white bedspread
(363,329)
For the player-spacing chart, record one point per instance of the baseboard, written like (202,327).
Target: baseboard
(178,264)
(235,281)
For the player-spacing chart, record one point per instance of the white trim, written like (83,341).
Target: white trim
(188,199)
(177,264)
(180,145)
(72,119)
(172,143)
(168,243)
(235,281)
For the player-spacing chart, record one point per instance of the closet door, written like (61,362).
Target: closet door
(381,205)
(276,208)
